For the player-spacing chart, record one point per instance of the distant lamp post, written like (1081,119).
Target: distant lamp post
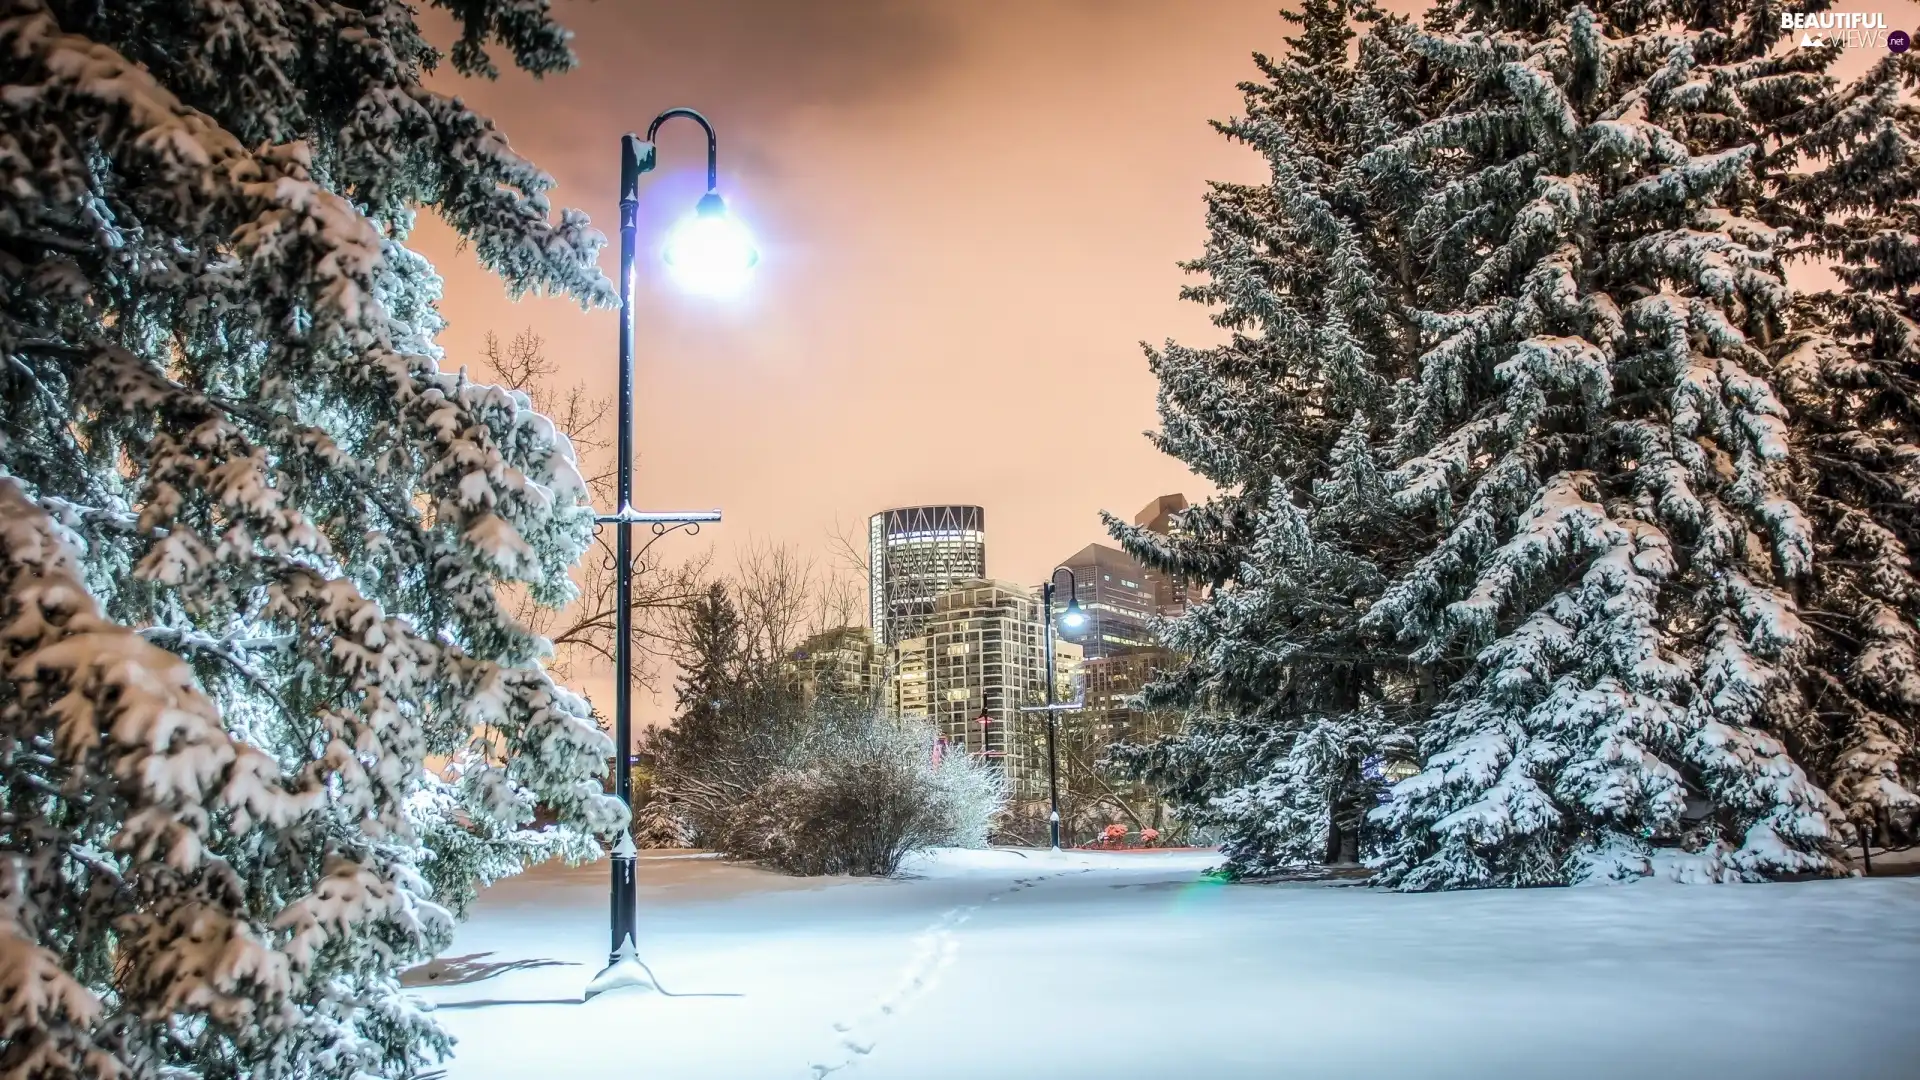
(1073,618)
(986,721)
(709,252)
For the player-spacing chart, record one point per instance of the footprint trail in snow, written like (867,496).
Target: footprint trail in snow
(934,949)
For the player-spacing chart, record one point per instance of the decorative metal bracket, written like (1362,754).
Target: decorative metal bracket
(1078,703)
(661,522)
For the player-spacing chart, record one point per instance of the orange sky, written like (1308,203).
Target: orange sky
(969,214)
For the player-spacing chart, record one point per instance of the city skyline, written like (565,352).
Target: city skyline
(984,657)
(946,543)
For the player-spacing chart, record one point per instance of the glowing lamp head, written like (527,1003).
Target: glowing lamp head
(1074,618)
(709,251)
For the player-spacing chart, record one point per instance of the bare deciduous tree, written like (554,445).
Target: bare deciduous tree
(785,597)
(847,550)
(583,416)
(774,585)
(585,630)
(1092,792)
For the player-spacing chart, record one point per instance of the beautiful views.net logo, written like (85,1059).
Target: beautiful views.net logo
(1849,29)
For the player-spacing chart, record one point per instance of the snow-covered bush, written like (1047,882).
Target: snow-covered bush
(859,798)
(761,767)
(659,824)
(739,718)
(253,535)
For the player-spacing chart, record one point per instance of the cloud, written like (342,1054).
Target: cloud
(763,56)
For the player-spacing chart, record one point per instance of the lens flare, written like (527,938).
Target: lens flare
(710,252)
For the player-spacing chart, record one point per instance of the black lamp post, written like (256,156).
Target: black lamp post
(708,252)
(1074,618)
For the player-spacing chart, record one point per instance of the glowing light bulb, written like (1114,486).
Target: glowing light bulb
(711,252)
(1074,618)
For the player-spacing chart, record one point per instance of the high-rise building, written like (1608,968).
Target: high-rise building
(915,553)
(1113,715)
(1162,516)
(1116,597)
(907,686)
(1112,681)
(985,658)
(840,661)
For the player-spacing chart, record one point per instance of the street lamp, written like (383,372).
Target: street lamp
(1073,618)
(708,252)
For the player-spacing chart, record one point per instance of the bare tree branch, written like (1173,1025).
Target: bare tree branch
(584,630)
(847,549)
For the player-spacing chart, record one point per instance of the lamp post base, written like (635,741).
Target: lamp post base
(623,898)
(1053,830)
(626,970)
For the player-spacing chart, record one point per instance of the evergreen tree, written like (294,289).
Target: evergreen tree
(735,719)
(1292,702)
(1847,190)
(1504,463)
(253,534)
(714,669)
(1594,437)
(656,824)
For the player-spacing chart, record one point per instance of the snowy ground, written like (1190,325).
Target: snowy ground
(1009,965)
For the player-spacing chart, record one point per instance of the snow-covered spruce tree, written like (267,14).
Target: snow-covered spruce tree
(1292,703)
(1595,439)
(723,739)
(656,824)
(253,534)
(1848,190)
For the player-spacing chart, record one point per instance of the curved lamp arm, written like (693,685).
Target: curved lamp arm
(637,154)
(1073,587)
